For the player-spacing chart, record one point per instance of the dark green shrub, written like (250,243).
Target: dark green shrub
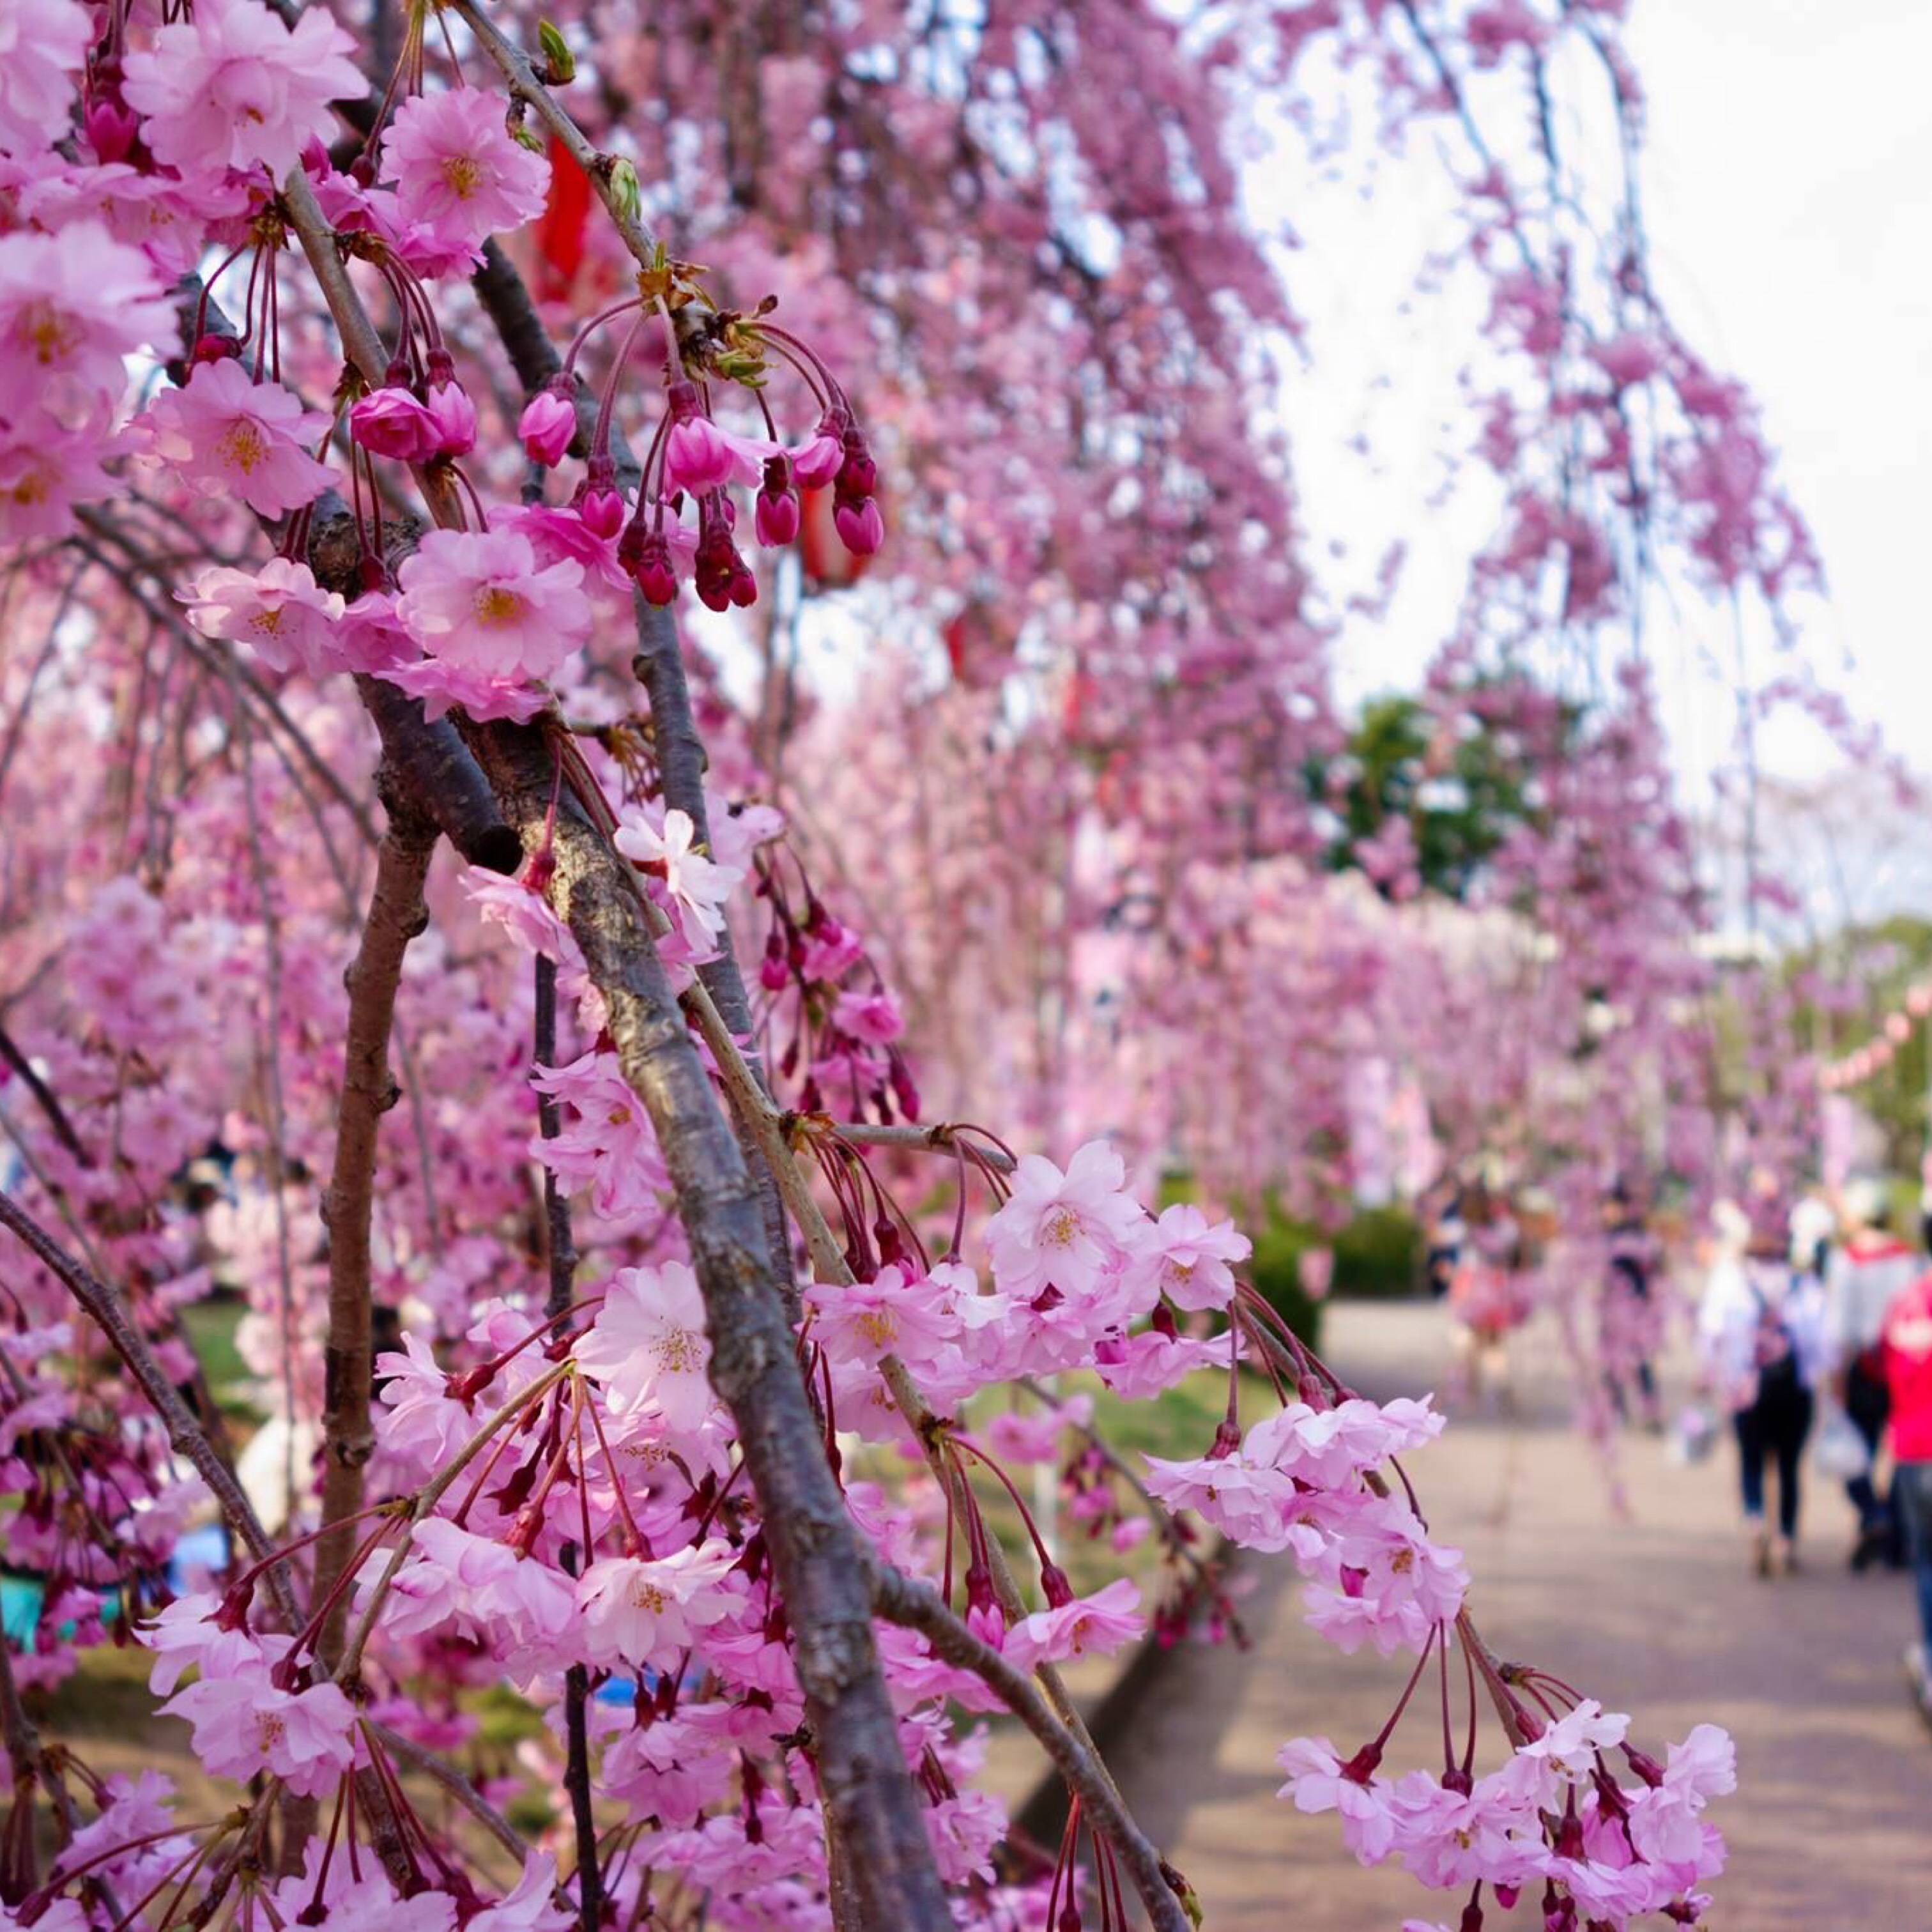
(1378,1255)
(1276,1270)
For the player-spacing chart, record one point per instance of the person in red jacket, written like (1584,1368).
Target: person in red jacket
(1907,1340)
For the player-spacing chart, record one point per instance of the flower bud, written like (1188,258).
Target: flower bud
(861,529)
(776,515)
(627,197)
(558,57)
(602,511)
(111,129)
(545,427)
(656,577)
(389,421)
(772,974)
(455,416)
(858,475)
(1054,1586)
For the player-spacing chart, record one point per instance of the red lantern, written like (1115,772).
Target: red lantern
(829,565)
(561,228)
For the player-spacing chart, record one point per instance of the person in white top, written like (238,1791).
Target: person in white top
(1760,1327)
(1861,1279)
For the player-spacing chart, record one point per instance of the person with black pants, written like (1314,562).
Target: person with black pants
(1761,1325)
(1774,1429)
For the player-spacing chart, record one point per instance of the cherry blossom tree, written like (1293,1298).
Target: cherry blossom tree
(534,998)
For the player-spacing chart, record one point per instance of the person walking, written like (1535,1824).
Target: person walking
(1905,1348)
(1760,1326)
(1862,1279)
(1628,1319)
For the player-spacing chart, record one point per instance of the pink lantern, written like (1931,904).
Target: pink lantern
(1918,1001)
(1897,1029)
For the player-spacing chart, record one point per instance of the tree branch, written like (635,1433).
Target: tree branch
(816,1554)
(397,914)
(903,1599)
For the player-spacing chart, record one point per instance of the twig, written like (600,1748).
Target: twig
(32,1761)
(44,1097)
(563,1261)
(659,666)
(186,1436)
(426,1498)
(454,1782)
(902,1599)
(937,1138)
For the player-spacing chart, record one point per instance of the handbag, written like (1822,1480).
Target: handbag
(1839,1452)
(1695,1435)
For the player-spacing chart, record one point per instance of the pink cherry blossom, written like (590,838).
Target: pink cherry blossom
(42,44)
(456,168)
(1187,1257)
(420,1423)
(895,1313)
(604,1138)
(873,1017)
(648,1344)
(642,1611)
(229,437)
(357,1900)
(242,1723)
(233,86)
(455,416)
(72,307)
(279,611)
(479,602)
(546,427)
(441,683)
(1449,1838)
(1141,1367)
(1382,1579)
(137,1808)
(1319,1781)
(1324,1447)
(392,422)
(1060,1230)
(45,469)
(528,1906)
(1251,1503)
(1568,1747)
(478,1587)
(185,1637)
(1100,1623)
(696,886)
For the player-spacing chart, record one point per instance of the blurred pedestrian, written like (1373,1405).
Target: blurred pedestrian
(1761,1328)
(1862,1279)
(1628,1317)
(1486,1294)
(1905,1344)
(1446,1233)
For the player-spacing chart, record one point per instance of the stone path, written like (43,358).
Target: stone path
(1655,1614)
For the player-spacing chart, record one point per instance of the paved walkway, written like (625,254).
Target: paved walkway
(1655,1614)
